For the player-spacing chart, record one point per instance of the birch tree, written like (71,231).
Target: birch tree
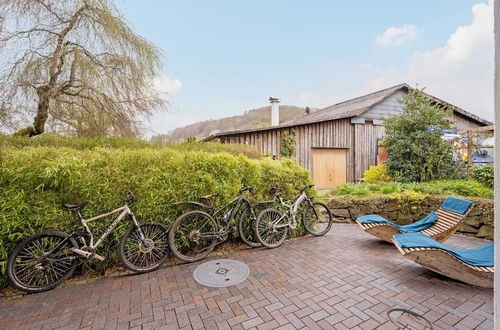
(77,64)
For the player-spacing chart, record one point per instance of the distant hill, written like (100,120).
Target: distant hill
(254,118)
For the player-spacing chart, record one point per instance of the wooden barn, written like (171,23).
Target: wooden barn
(338,143)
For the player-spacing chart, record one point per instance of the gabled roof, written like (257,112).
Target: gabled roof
(347,109)
(352,108)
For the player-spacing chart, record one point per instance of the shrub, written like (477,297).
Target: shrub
(461,188)
(484,175)
(417,152)
(53,140)
(288,143)
(35,181)
(377,173)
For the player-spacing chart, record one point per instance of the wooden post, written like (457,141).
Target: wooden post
(469,154)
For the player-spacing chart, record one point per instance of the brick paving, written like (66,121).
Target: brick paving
(344,280)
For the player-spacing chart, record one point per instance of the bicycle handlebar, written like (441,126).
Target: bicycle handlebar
(130,197)
(307,187)
(275,190)
(249,189)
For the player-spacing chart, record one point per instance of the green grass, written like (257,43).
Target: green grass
(461,188)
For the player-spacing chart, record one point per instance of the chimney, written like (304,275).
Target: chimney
(275,111)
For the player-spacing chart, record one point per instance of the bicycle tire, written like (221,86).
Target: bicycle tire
(267,236)
(41,267)
(326,221)
(141,258)
(246,229)
(178,233)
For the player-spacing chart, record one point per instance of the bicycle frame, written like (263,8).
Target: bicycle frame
(124,211)
(233,208)
(291,211)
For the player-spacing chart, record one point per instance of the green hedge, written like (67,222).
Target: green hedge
(35,181)
(54,140)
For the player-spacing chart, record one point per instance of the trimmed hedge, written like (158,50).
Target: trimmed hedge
(54,140)
(35,181)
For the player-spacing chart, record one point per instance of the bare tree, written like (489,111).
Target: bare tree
(77,63)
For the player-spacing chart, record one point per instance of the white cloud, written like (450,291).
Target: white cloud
(460,72)
(167,85)
(166,121)
(397,35)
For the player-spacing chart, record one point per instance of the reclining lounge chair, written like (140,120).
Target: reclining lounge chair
(439,225)
(474,266)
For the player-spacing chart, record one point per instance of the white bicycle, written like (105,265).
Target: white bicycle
(271,226)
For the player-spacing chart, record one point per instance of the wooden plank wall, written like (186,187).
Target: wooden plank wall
(463,123)
(359,139)
(330,134)
(365,137)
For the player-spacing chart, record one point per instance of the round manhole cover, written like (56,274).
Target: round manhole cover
(221,272)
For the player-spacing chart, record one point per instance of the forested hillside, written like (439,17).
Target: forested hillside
(254,118)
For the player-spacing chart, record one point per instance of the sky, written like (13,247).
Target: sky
(223,57)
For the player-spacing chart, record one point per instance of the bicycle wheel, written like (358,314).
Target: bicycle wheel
(193,236)
(317,218)
(246,228)
(146,255)
(42,262)
(271,228)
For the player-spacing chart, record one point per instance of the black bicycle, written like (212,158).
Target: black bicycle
(271,226)
(195,234)
(44,261)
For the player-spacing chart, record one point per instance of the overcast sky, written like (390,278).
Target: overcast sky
(223,57)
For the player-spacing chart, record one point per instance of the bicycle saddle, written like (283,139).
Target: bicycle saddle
(73,207)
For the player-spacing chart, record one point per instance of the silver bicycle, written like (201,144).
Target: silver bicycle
(271,226)
(44,261)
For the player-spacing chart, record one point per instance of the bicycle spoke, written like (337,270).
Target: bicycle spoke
(194,236)
(144,255)
(42,262)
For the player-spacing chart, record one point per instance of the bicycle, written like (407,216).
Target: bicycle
(44,261)
(247,218)
(195,234)
(271,226)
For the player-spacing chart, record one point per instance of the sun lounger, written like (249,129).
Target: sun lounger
(474,266)
(439,225)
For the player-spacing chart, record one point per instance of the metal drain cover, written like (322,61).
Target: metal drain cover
(221,273)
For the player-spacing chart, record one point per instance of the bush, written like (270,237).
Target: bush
(484,175)
(35,181)
(461,188)
(417,152)
(53,140)
(377,173)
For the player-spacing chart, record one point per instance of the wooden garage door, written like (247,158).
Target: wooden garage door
(329,167)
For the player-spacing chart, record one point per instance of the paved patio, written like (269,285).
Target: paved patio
(344,280)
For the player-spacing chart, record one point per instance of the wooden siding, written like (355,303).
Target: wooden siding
(360,140)
(331,134)
(365,137)
(387,108)
(463,123)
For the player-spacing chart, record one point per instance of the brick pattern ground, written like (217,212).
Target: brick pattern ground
(344,280)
